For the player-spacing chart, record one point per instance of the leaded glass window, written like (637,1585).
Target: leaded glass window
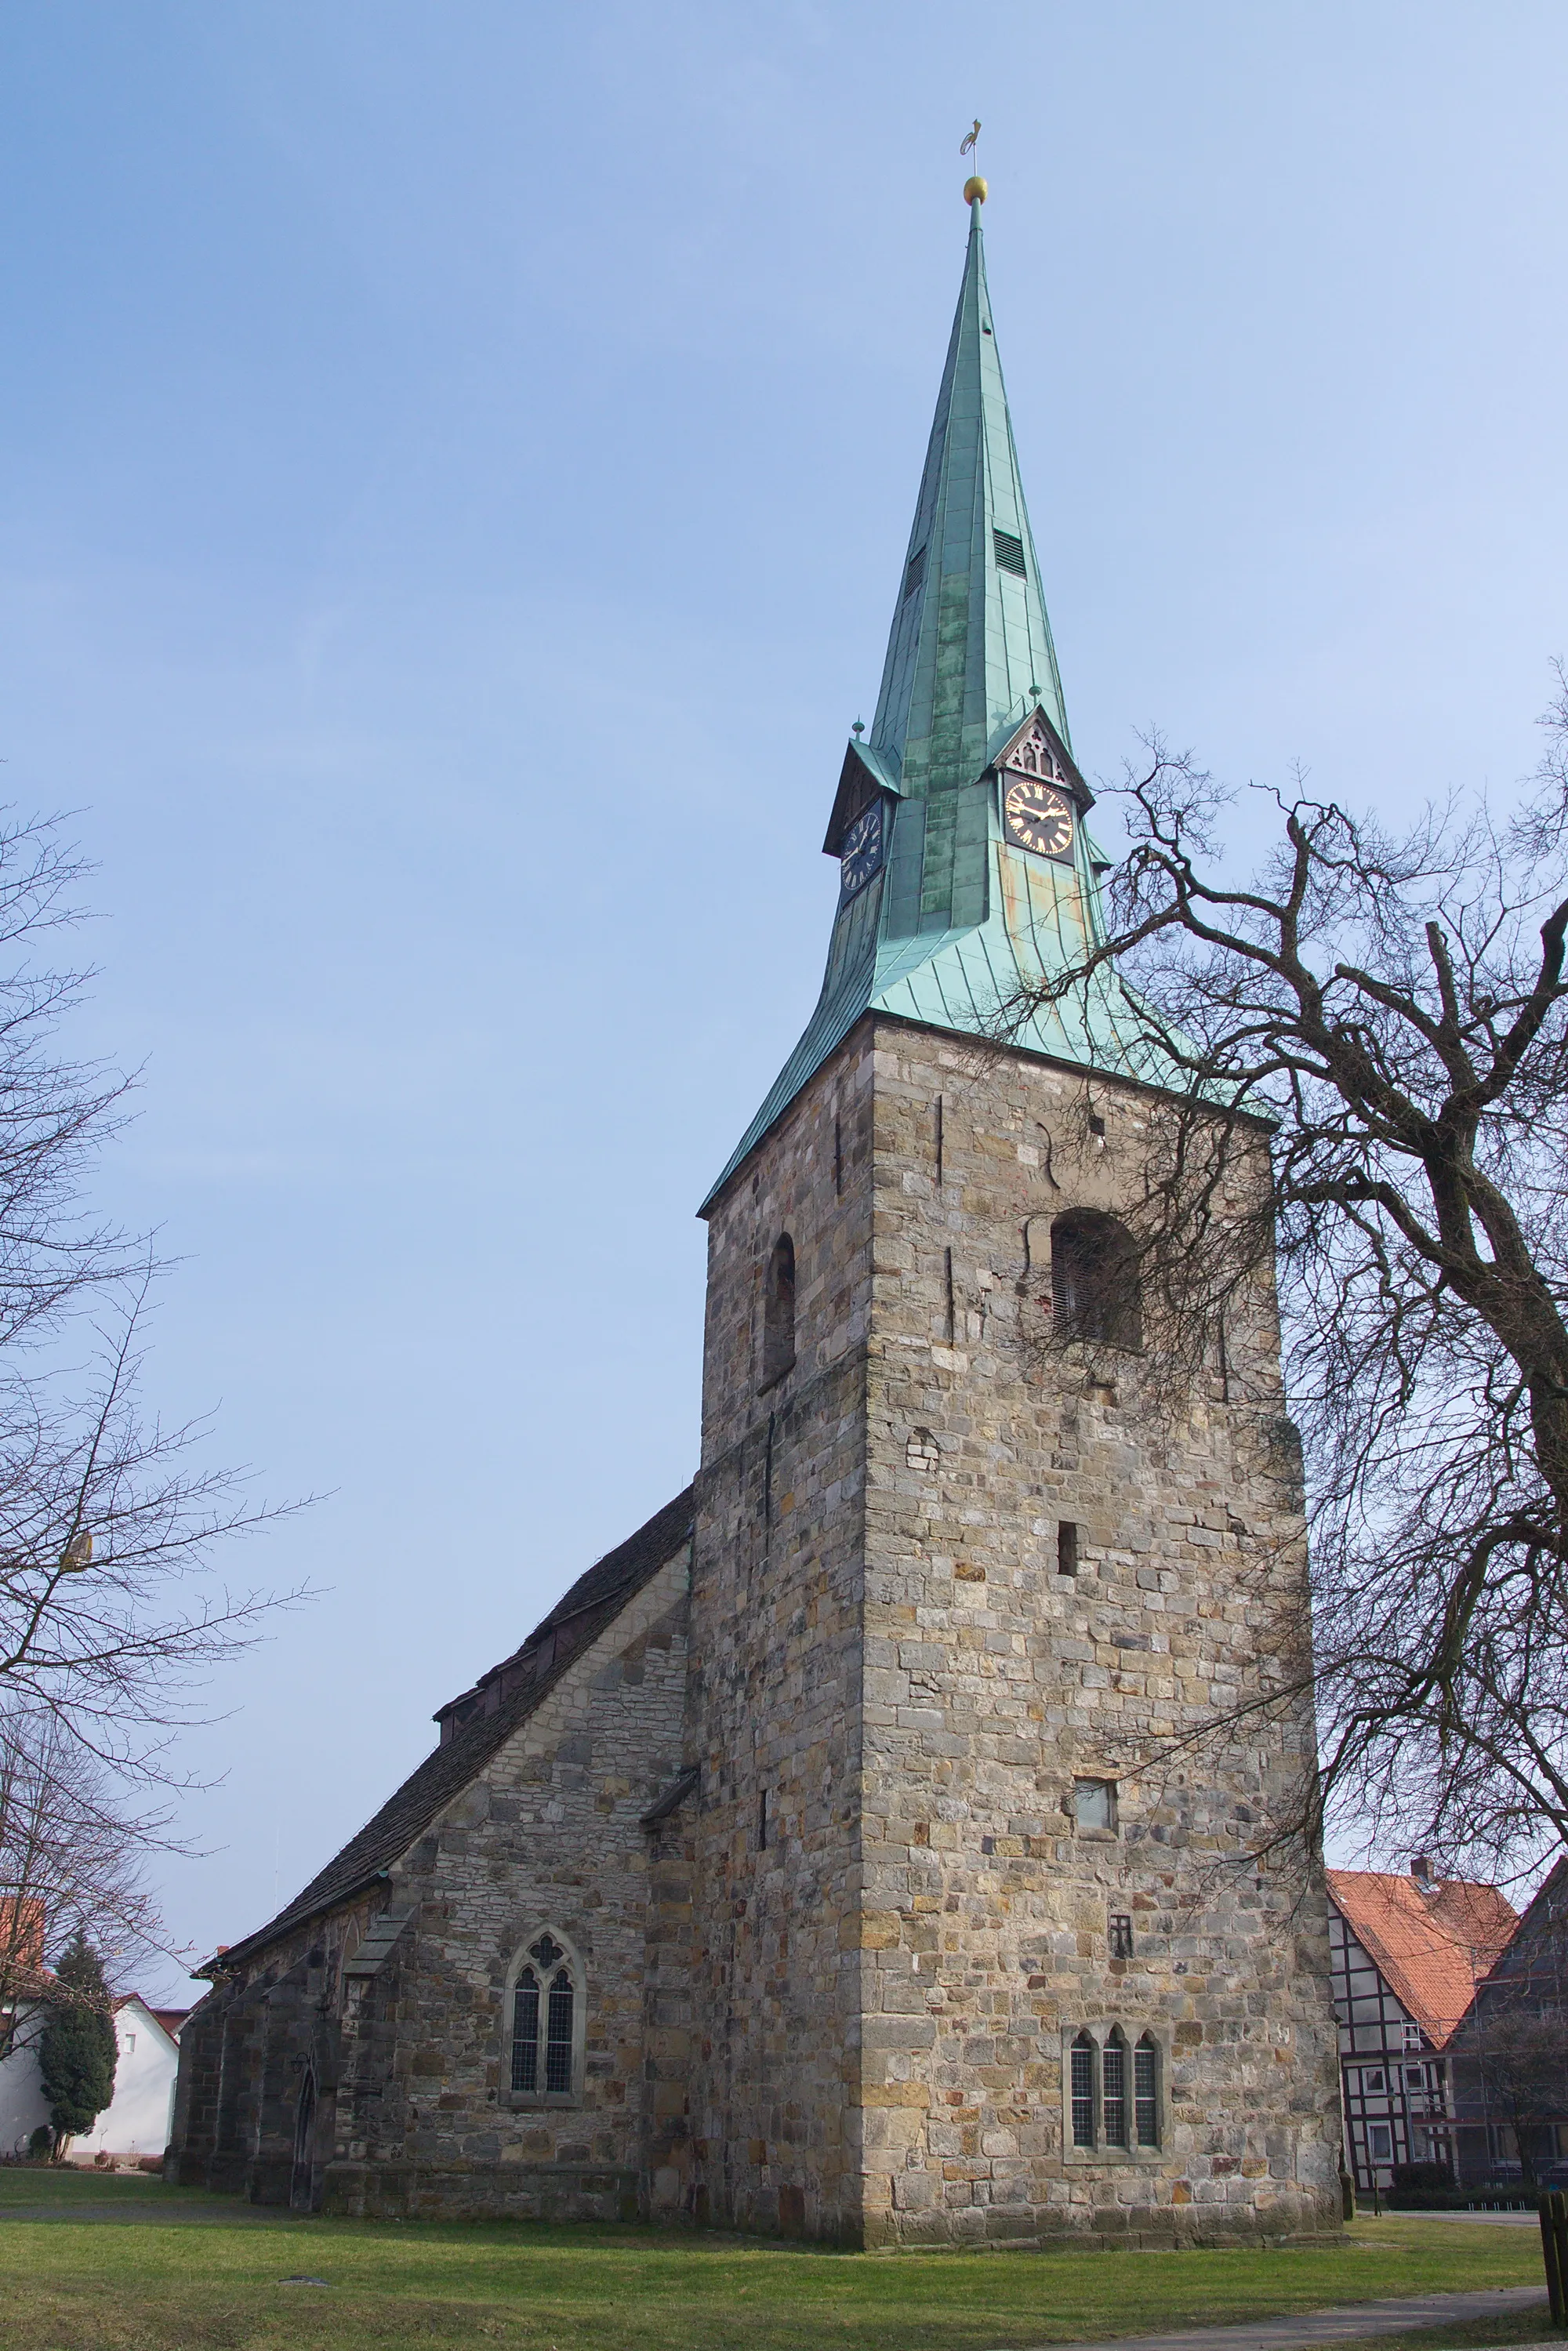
(525,2032)
(1084,2053)
(1146,2092)
(544,2023)
(1114,2090)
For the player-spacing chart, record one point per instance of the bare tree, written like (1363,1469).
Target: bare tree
(109,1622)
(72,1861)
(1516,2053)
(1357,1060)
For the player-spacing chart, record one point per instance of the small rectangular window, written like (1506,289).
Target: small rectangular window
(1380,2139)
(1113,2092)
(1067,1547)
(1146,2094)
(1083,2093)
(1121,1935)
(1094,1805)
(1009,551)
(1372,2078)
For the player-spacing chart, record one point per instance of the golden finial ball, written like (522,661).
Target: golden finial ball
(974,192)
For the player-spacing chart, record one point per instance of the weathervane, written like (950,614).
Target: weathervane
(975,189)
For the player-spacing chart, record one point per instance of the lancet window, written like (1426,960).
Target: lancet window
(778,1312)
(546,2022)
(1113,2092)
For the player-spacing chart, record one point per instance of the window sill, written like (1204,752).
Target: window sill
(534,2099)
(1114,2158)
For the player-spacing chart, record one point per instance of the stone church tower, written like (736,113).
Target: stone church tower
(794,1873)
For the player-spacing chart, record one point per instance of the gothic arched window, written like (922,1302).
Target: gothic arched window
(778,1312)
(1083,2055)
(546,2022)
(1114,2089)
(1096,1292)
(1147,2091)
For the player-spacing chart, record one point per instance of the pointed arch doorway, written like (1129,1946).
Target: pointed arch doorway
(302,2183)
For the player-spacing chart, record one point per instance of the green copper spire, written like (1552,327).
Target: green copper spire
(970,646)
(945,908)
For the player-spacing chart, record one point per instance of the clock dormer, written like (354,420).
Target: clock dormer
(1042,795)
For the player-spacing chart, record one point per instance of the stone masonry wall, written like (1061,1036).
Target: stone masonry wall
(548,1836)
(415,2110)
(992,1680)
(775,1701)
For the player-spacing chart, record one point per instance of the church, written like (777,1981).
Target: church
(810,1867)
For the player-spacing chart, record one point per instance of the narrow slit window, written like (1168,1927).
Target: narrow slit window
(778,1312)
(1121,1935)
(1113,2092)
(1082,2057)
(1067,1547)
(1146,2092)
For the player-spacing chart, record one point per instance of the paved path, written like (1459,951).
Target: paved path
(1346,2324)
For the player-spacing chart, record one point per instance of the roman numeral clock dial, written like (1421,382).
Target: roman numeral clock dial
(1038,816)
(861,850)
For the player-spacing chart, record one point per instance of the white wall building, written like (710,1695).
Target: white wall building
(137,2122)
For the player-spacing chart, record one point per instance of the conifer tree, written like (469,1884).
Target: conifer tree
(77,2052)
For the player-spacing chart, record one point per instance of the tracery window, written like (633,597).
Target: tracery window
(1033,755)
(545,2021)
(1113,2092)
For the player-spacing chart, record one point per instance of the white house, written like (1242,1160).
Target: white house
(137,2122)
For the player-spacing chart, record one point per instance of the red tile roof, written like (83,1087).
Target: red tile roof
(171,2019)
(1431,1941)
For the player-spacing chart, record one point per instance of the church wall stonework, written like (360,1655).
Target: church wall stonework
(992,1681)
(895,1642)
(776,1696)
(415,2113)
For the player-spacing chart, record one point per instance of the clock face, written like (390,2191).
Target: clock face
(1038,816)
(860,853)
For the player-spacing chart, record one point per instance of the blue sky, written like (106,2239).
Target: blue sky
(459,458)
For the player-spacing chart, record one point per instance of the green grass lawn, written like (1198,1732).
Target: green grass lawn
(89,2264)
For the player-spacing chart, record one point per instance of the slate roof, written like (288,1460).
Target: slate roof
(1432,1948)
(500,1701)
